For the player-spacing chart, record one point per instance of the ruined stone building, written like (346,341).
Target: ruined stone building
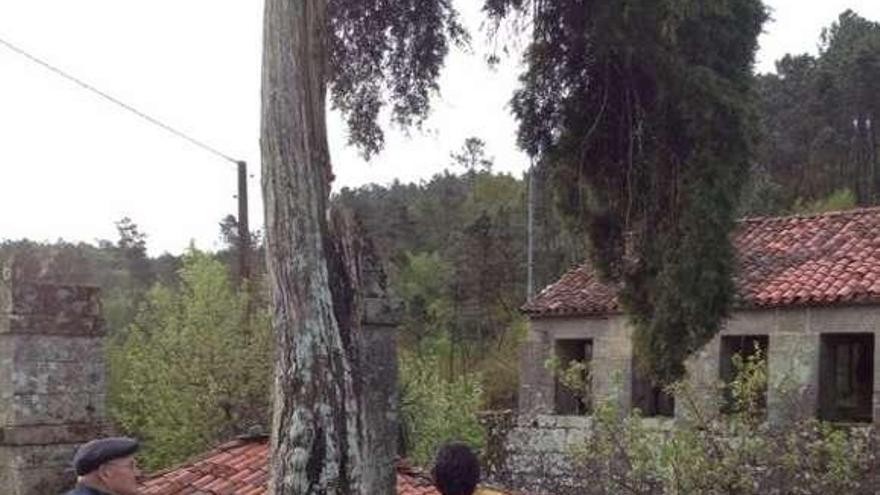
(808,296)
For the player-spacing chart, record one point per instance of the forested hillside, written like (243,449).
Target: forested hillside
(818,143)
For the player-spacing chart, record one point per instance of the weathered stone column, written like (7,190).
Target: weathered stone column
(381,315)
(51,375)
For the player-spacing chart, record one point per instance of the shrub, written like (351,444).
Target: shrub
(708,452)
(435,410)
(192,370)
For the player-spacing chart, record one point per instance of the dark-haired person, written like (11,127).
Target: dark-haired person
(106,466)
(456,470)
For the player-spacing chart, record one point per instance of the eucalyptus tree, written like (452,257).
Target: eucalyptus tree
(367,54)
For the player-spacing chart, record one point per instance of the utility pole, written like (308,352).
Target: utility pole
(244,235)
(530,268)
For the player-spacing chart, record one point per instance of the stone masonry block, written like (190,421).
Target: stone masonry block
(537,440)
(40,481)
(855,319)
(58,324)
(30,298)
(790,321)
(52,434)
(793,376)
(56,456)
(53,348)
(44,378)
(752,322)
(52,409)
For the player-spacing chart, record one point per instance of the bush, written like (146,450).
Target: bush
(435,410)
(192,370)
(739,453)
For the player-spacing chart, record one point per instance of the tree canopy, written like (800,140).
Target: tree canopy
(385,53)
(819,118)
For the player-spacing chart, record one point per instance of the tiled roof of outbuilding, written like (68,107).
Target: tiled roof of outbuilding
(240,468)
(803,260)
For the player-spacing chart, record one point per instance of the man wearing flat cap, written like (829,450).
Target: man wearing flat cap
(106,466)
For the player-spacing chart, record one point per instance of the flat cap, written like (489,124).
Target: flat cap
(89,456)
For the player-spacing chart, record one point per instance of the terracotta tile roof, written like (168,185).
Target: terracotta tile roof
(235,468)
(240,468)
(804,260)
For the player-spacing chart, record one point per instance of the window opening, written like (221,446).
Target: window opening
(747,347)
(569,399)
(846,377)
(650,398)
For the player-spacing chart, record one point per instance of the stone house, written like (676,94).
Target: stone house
(808,296)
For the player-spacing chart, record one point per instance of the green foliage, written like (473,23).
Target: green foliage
(644,114)
(499,369)
(457,249)
(423,284)
(434,409)
(192,370)
(739,453)
(574,376)
(472,156)
(749,386)
(383,53)
(841,199)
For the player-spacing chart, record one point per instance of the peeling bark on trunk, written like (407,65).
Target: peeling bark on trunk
(317,426)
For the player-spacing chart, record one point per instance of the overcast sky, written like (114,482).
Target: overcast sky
(71,164)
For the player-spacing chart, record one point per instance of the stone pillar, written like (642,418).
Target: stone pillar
(536,383)
(611,369)
(51,375)
(792,376)
(703,378)
(381,315)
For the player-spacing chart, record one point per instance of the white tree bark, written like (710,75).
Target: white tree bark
(317,425)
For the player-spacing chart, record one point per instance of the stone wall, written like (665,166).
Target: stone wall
(792,356)
(534,453)
(51,375)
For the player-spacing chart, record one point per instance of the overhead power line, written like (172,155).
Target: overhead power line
(243,233)
(118,102)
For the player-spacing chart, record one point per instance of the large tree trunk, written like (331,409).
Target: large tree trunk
(317,426)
